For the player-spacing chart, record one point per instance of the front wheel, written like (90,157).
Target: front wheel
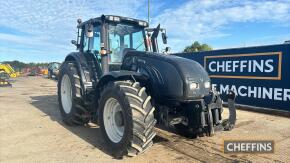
(126,118)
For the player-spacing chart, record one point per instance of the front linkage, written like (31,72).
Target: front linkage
(214,110)
(198,117)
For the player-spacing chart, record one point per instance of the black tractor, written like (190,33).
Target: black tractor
(115,81)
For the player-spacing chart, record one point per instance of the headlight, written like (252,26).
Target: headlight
(207,84)
(193,86)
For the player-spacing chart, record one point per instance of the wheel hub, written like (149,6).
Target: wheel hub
(113,120)
(119,118)
(66,94)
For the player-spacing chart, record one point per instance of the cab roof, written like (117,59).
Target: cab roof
(116,19)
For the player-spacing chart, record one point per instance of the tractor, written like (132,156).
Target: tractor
(53,70)
(117,82)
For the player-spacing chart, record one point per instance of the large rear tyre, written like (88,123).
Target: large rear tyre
(71,105)
(126,118)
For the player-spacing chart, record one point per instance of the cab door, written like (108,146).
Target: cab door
(91,51)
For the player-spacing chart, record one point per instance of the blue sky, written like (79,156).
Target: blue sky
(40,31)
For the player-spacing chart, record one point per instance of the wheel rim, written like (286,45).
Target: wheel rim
(66,94)
(113,120)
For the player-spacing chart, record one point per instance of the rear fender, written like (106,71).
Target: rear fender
(80,63)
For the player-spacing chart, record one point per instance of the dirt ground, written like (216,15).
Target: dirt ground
(31,130)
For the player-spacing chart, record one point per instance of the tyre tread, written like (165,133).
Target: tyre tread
(142,117)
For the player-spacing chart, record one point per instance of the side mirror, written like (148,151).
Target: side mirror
(90,31)
(164,38)
(74,42)
(79,21)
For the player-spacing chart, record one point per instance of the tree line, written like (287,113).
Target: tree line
(194,47)
(18,65)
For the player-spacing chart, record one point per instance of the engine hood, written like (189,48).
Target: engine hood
(174,74)
(191,72)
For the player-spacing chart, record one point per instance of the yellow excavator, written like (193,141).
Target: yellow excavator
(9,70)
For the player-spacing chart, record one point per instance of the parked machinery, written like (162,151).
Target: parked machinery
(9,70)
(53,69)
(4,77)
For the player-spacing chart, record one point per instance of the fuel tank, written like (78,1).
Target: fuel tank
(170,77)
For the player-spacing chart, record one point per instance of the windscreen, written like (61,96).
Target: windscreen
(54,65)
(123,36)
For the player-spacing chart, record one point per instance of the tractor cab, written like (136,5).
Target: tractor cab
(109,37)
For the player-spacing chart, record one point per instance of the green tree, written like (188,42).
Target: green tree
(196,46)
